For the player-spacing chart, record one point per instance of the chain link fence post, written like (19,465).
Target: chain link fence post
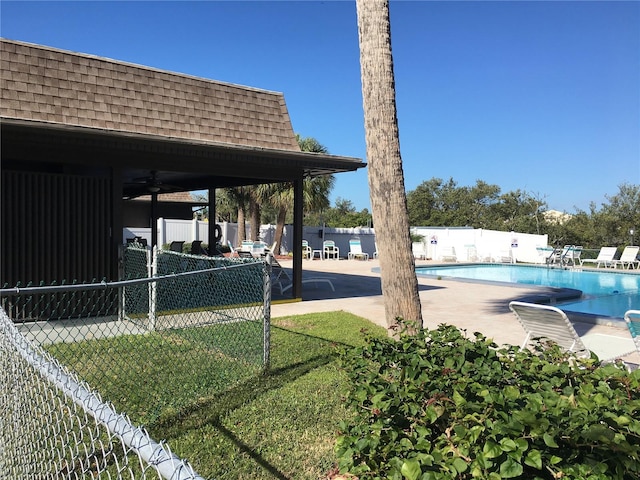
(267,312)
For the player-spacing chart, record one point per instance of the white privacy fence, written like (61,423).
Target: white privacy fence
(469,244)
(480,245)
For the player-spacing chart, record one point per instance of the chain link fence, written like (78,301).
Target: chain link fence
(52,425)
(149,344)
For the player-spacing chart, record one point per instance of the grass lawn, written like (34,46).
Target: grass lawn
(281,425)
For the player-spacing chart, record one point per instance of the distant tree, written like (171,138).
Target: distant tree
(609,225)
(344,215)
(624,207)
(437,203)
(517,211)
(386,178)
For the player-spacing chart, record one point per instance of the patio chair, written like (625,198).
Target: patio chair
(330,250)
(448,254)
(246,245)
(632,319)
(176,246)
(605,257)
(258,248)
(197,248)
(628,259)
(355,250)
(307,252)
(551,323)
(419,250)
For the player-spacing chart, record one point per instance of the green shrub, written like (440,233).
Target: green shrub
(438,405)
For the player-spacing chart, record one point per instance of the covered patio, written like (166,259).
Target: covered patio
(81,135)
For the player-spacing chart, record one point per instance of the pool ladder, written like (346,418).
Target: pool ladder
(563,257)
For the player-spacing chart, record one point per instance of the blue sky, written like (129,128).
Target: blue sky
(540,96)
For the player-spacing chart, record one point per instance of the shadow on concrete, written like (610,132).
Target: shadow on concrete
(582,323)
(346,286)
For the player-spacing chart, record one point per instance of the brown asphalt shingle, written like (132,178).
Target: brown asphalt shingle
(50,85)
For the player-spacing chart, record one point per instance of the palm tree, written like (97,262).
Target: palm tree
(315,191)
(386,178)
(237,197)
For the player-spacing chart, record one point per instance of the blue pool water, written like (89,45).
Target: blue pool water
(604,293)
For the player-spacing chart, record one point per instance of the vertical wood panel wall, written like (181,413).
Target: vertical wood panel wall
(54,228)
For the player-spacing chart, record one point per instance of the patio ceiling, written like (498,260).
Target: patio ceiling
(172,164)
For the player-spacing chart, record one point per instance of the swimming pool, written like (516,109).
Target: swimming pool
(604,293)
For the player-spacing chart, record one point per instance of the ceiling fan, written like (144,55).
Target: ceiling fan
(149,184)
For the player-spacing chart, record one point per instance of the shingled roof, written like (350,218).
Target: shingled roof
(46,84)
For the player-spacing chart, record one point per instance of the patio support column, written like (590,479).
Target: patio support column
(116,221)
(212,221)
(154,220)
(297,237)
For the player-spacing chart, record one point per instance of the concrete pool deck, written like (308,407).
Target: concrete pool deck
(476,307)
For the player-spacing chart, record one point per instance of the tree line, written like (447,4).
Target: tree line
(439,203)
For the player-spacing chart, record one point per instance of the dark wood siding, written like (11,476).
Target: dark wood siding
(55,228)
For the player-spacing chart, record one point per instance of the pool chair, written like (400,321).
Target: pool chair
(448,254)
(605,257)
(355,250)
(197,248)
(246,246)
(307,252)
(628,259)
(176,246)
(551,323)
(419,250)
(632,318)
(330,250)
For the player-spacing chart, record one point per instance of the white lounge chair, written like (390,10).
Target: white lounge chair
(330,250)
(605,257)
(503,256)
(419,250)
(632,318)
(355,250)
(307,252)
(246,246)
(448,254)
(551,323)
(628,259)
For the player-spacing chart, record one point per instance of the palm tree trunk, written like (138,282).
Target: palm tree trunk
(242,231)
(386,178)
(282,216)
(254,218)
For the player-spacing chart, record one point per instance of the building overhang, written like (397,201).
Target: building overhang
(177,163)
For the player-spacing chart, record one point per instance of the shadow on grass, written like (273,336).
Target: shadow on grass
(288,347)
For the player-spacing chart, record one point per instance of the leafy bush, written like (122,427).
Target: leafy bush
(438,405)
